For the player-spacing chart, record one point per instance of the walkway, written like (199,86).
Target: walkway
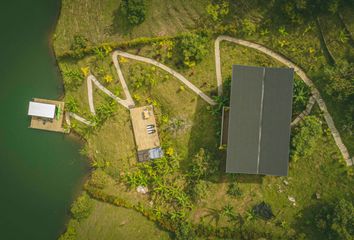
(128,102)
(169,70)
(315,93)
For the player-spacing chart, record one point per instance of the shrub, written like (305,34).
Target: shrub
(71,105)
(218,10)
(163,50)
(99,179)
(104,111)
(135,11)
(70,233)
(73,78)
(336,219)
(199,165)
(78,45)
(81,208)
(234,190)
(340,81)
(248,27)
(343,220)
(185,231)
(198,190)
(192,49)
(304,142)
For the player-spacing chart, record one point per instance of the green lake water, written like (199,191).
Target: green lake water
(40,172)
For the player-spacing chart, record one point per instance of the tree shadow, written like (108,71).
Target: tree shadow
(120,24)
(305,222)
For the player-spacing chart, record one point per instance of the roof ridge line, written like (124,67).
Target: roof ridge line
(260,122)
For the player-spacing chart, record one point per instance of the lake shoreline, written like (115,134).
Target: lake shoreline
(72,136)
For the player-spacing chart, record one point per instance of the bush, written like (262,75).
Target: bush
(78,45)
(305,140)
(234,190)
(70,233)
(71,105)
(192,49)
(198,190)
(81,208)
(340,81)
(163,50)
(336,220)
(105,111)
(73,78)
(99,179)
(218,10)
(201,166)
(343,220)
(185,231)
(135,11)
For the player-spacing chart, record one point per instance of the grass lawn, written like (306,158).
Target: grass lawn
(101,21)
(107,222)
(319,173)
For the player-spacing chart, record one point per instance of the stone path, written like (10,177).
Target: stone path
(315,93)
(80,119)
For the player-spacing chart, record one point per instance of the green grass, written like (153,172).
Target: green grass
(101,21)
(107,222)
(319,173)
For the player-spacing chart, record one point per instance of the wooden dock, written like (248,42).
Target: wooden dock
(54,125)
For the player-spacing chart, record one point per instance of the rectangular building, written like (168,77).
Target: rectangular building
(259,120)
(43,110)
(145,133)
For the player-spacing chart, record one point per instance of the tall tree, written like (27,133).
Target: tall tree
(135,11)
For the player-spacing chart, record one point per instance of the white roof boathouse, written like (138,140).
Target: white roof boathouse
(42,110)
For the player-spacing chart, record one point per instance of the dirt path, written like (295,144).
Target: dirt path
(127,103)
(170,71)
(315,93)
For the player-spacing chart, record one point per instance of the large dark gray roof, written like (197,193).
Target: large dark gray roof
(259,121)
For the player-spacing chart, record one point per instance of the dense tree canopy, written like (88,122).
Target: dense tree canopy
(135,11)
(218,9)
(193,48)
(337,220)
(340,81)
(298,10)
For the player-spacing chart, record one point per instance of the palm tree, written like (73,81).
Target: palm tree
(227,210)
(250,216)
(300,96)
(214,215)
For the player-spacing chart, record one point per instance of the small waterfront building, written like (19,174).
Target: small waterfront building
(42,110)
(145,133)
(47,115)
(256,126)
